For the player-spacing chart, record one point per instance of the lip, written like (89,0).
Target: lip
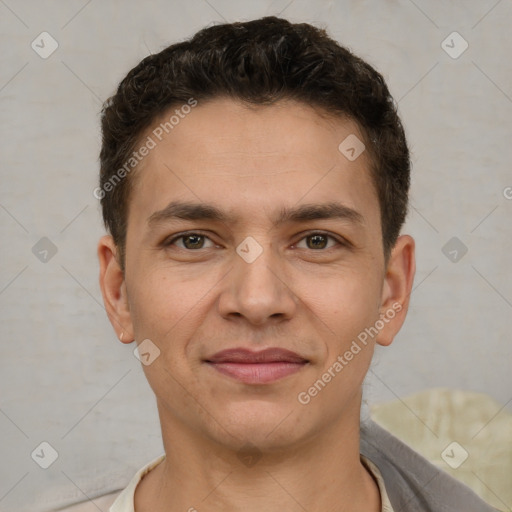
(262,367)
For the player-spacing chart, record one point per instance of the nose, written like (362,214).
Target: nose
(258,291)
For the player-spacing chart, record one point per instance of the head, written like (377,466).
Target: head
(259,63)
(254,182)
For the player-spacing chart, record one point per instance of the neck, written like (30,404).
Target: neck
(321,473)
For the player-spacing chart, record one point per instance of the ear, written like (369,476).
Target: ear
(113,289)
(397,289)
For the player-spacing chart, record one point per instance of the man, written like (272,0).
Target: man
(254,182)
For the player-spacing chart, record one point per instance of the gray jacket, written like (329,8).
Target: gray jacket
(413,484)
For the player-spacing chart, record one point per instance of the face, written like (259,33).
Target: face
(250,232)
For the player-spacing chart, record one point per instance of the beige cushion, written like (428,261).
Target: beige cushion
(447,425)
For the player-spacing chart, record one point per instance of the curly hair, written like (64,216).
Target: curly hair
(258,62)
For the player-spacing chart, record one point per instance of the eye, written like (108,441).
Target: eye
(190,241)
(318,241)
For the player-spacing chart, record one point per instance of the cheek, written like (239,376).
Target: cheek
(343,304)
(166,311)
(345,311)
(157,303)
(168,307)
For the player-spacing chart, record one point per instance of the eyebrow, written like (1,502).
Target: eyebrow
(201,211)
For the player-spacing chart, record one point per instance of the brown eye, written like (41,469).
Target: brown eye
(191,241)
(318,241)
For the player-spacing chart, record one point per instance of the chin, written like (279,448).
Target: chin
(267,425)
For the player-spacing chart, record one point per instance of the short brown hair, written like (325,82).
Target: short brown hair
(258,62)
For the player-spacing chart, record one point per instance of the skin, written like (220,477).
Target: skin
(196,299)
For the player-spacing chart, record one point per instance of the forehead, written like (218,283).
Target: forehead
(251,160)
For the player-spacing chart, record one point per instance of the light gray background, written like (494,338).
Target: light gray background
(65,379)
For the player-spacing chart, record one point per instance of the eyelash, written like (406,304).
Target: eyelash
(171,241)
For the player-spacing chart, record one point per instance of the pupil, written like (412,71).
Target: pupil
(196,240)
(318,241)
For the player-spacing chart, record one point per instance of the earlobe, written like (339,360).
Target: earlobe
(113,289)
(397,289)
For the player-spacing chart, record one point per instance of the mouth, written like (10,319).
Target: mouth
(261,367)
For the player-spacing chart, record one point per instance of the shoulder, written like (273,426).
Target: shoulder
(122,500)
(412,482)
